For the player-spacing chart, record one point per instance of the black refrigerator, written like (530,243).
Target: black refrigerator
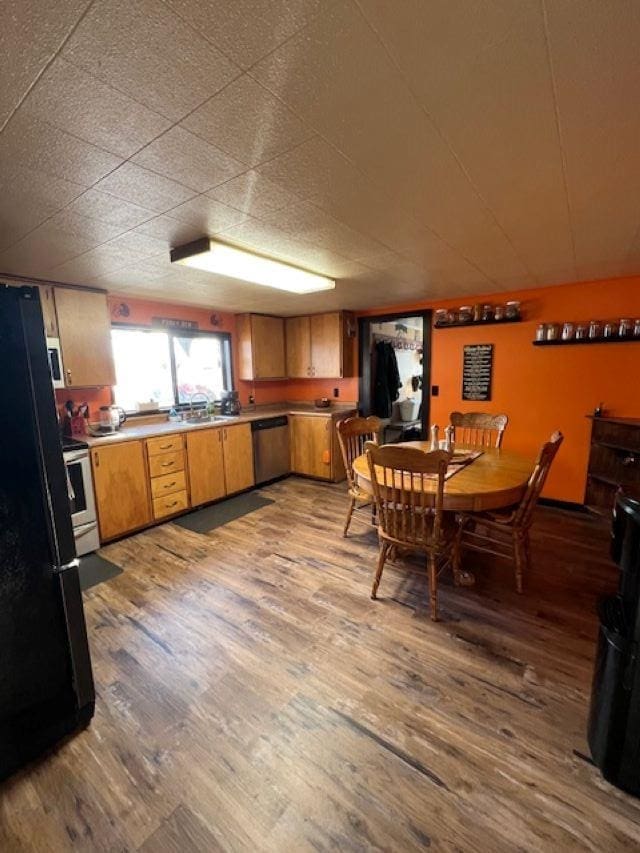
(46,684)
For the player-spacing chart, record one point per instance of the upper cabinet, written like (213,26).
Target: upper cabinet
(84,329)
(320,346)
(47,301)
(260,347)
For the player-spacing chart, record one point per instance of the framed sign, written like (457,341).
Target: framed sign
(172,323)
(477,370)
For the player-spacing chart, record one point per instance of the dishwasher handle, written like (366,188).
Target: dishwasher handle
(269,423)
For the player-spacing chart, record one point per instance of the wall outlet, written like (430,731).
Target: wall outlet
(435,390)
(336,392)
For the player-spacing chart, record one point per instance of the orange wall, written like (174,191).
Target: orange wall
(545,388)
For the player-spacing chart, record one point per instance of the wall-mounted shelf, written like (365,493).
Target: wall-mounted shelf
(473,323)
(558,342)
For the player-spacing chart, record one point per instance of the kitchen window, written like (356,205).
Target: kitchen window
(169,367)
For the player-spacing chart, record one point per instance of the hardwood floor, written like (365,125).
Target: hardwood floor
(251,697)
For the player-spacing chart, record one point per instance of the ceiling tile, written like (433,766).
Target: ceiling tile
(173,232)
(208,215)
(42,249)
(142,187)
(594,53)
(189,160)
(68,222)
(247,29)
(314,168)
(30,35)
(254,194)
(248,122)
(150,54)
(107,208)
(44,148)
(72,100)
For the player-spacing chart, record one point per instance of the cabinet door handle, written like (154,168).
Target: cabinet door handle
(167,464)
(166,446)
(96,459)
(69,375)
(169,485)
(175,503)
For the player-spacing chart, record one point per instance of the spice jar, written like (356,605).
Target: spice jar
(477,312)
(487,312)
(581,333)
(636,329)
(465,314)
(513,310)
(441,317)
(567,331)
(607,332)
(540,332)
(499,312)
(552,331)
(624,327)
(594,329)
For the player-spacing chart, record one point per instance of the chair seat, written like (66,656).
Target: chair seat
(504,516)
(360,495)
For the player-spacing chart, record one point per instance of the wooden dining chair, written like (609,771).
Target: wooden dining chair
(478,429)
(408,515)
(505,533)
(353,433)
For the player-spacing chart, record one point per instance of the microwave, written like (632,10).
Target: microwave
(55,362)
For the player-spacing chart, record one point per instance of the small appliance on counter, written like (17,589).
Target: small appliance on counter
(614,720)
(230,403)
(111,418)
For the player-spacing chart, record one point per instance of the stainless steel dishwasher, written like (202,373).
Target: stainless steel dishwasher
(271,457)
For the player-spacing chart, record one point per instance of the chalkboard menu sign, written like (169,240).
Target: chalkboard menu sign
(477,367)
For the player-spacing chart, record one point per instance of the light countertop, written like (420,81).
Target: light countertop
(131,432)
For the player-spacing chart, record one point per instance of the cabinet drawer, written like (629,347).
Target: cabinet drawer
(164,444)
(170,504)
(168,484)
(166,463)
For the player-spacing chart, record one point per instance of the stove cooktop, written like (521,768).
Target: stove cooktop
(73,444)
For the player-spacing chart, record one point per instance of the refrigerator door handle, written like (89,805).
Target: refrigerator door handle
(73,564)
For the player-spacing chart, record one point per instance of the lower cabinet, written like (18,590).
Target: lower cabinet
(121,488)
(238,458)
(314,447)
(206,465)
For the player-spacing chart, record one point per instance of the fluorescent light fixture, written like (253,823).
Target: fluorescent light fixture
(220,258)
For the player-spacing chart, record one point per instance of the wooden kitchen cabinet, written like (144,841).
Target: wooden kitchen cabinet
(84,329)
(121,487)
(238,457)
(310,438)
(320,346)
(47,301)
(260,347)
(206,465)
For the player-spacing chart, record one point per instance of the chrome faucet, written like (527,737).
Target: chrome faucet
(198,394)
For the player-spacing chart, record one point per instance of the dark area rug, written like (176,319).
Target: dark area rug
(94,569)
(210,517)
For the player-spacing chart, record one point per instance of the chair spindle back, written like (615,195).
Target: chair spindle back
(524,513)
(478,429)
(353,434)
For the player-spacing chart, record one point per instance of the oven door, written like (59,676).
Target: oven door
(83,505)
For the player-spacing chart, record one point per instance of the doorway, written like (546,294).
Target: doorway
(394,355)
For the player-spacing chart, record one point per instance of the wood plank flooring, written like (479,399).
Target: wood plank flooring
(251,697)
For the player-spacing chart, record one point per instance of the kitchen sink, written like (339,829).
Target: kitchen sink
(205,419)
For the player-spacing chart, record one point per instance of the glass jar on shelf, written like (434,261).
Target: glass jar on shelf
(512,310)
(595,330)
(636,328)
(567,331)
(581,332)
(487,312)
(540,332)
(477,312)
(465,314)
(624,327)
(607,331)
(440,317)
(552,332)
(498,313)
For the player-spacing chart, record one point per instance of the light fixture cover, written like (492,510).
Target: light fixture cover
(211,256)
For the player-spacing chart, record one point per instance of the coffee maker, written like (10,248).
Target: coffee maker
(230,403)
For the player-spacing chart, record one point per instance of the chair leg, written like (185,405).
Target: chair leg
(520,560)
(382,556)
(352,504)
(433,586)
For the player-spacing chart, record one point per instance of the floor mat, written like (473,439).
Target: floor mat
(94,569)
(210,517)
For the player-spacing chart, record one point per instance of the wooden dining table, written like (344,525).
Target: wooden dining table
(496,479)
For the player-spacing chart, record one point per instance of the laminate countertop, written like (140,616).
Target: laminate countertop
(131,432)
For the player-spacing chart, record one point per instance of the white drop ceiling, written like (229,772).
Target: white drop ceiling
(409,149)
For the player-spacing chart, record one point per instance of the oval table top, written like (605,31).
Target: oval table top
(496,479)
